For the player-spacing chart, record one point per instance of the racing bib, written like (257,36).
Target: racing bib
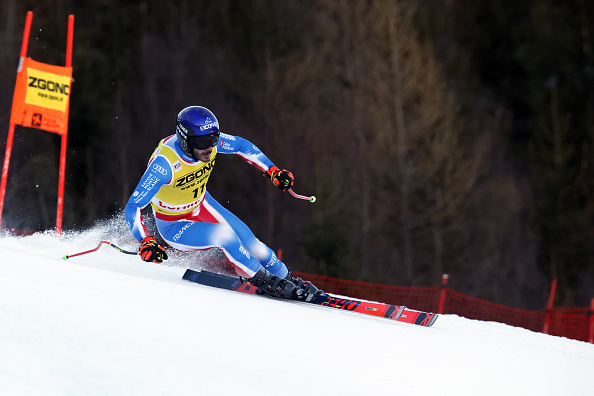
(185,191)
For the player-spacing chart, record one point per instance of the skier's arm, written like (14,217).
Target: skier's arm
(158,173)
(229,144)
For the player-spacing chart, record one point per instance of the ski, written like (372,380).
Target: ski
(412,316)
(394,312)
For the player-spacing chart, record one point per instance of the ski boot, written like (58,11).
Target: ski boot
(272,285)
(308,287)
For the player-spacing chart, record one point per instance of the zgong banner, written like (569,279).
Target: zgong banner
(42,96)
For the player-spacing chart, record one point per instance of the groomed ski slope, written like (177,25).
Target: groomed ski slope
(110,324)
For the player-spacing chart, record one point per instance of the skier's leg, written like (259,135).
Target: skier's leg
(213,211)
(191,235)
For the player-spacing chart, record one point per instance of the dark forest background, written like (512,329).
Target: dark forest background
(451,136)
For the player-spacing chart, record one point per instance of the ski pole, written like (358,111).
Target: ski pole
(67,256)
(311,199)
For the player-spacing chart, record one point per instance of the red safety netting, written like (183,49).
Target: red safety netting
(574,323)
(476,308)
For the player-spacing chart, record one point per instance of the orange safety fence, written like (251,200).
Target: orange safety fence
(574,323)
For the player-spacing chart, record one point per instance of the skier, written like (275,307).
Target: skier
(189,218)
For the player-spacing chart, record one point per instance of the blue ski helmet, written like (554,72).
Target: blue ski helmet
(197,128)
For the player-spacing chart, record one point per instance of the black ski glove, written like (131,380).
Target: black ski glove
(281,178)
(151,251)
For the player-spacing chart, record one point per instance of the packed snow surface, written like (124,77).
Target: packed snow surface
(107,323)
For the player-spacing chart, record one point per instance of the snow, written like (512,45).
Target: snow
(106,323)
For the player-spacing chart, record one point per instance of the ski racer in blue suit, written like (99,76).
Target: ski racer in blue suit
(189,218)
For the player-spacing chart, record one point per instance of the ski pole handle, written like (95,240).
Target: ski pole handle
(311,199)
(67,256)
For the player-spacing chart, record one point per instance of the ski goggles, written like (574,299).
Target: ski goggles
(204,141)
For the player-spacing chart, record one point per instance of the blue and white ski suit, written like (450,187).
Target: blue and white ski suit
(188,217)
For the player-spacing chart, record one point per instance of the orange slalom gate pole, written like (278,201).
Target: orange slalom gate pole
(26,33)
(591,339)
(61,182)
(10,139)
(62,172)
(442,294)
(7,154)
(69,40)
(547,323)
